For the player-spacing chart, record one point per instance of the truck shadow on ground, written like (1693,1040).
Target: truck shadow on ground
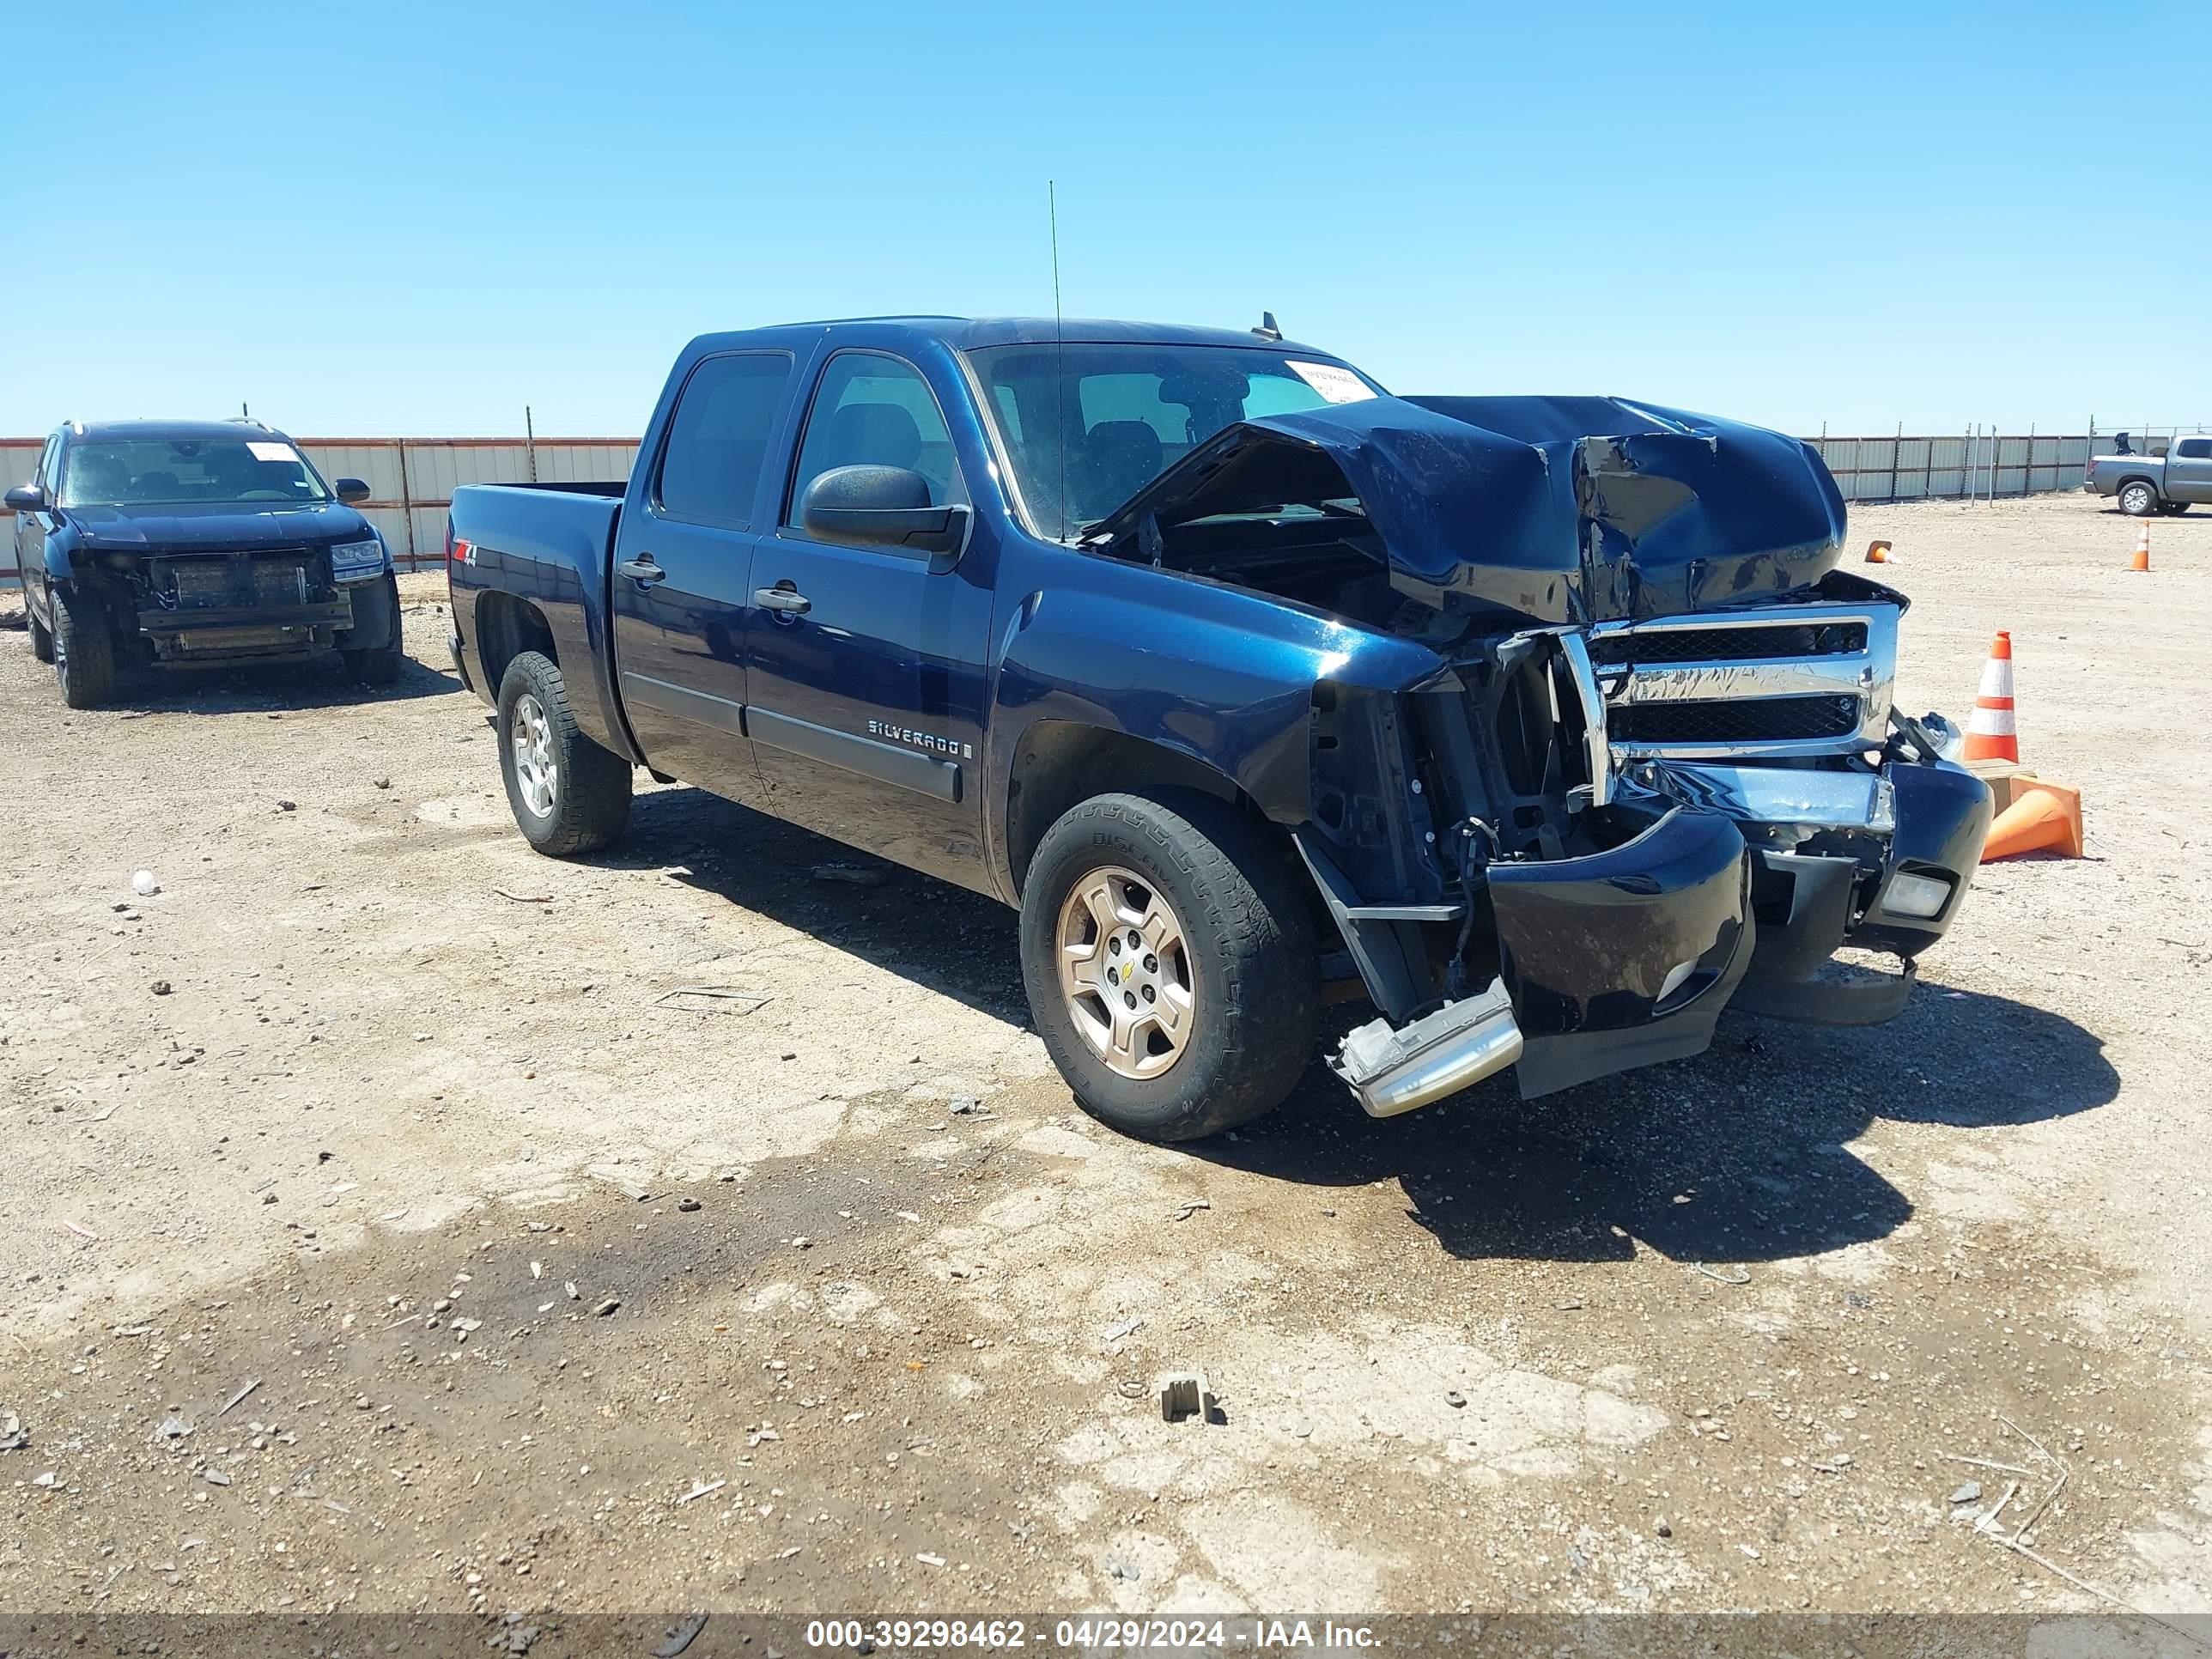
(1739,1155)
(279,687)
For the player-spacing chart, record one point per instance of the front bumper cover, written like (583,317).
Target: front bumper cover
(1832,893)
(1624,957)
(1627,957)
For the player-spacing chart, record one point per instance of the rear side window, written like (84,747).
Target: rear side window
(718,437)
(876,411)
(2194,449)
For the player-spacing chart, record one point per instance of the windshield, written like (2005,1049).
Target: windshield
(146,471)
(1129,412)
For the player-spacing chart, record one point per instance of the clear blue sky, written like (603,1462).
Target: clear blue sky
(386,218)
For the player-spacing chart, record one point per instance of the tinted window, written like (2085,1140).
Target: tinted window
(718,438)
(876,411)
(2194,449)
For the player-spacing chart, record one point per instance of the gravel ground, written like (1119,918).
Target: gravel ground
(559,1293)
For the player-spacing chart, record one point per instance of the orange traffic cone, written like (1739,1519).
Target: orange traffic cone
(2042,814)
(1991,733)
(1879,553)
(2142,560)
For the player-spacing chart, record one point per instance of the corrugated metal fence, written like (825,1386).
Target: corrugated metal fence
(411,480)
(1909,468)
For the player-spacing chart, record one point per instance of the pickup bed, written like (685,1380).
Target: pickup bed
(1547,726)
(2172,482)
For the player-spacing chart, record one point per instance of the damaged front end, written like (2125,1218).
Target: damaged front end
(253,604)
(1655,772)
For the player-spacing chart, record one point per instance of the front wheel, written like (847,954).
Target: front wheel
(567,794)
(42,642)
(1169,962)
(380,665)
(84,647)
(2138,499)
(2176,509)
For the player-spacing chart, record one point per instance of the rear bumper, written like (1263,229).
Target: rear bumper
(460,655)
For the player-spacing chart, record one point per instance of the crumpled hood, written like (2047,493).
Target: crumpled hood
(183,528)
(1558,509)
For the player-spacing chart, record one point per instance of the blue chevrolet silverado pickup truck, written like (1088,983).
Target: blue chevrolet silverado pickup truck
(1547,726)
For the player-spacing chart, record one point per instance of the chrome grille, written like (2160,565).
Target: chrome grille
(1787,718)
(1810,679)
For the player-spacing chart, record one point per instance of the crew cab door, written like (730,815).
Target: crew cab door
(865,664)
(2189,470)
(683,573)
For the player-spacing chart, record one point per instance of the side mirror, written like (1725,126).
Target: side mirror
(351,490)
(880,507)
(27,498)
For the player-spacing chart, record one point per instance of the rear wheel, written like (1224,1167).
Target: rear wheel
(2137,499)
(567,794)
(1169,962)
(84,648)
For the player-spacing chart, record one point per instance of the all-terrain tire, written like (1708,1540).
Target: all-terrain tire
(1248,933)
(84,648)
(42,642)
(380,665)
(2177,508)
(2138,499)
(574,796)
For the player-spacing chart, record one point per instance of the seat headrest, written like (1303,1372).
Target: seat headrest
(882,434)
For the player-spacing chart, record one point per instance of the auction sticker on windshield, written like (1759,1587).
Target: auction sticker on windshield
(1339,385)
(283,451)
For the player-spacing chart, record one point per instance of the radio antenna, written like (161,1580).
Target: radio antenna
(1059,353)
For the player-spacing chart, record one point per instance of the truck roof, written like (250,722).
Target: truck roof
(966,333)
(201,429)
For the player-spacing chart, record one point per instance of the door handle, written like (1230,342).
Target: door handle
(642,569)
(783,597)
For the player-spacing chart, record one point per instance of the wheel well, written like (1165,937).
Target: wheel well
(2137,478)
(505,627)
(1060,763)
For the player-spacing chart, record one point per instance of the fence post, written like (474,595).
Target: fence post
(1895,443)
(406,501)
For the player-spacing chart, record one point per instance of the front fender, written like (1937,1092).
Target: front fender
(58,553)
(1222,677)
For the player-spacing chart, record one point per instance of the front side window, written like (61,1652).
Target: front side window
(186,471)
(718,438)
(876,411)
(1087,426)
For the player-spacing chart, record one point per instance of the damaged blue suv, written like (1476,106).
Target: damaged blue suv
(181,544)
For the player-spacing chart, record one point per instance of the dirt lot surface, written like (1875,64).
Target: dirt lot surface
(382,1234)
